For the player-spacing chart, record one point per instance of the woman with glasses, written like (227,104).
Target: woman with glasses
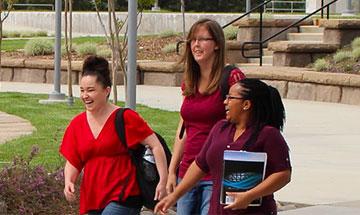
(204,61)
(254,117)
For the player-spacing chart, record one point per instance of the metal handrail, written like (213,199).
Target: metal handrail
(261,42)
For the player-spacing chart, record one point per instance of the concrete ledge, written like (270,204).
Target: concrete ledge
(302,47)
(340,23)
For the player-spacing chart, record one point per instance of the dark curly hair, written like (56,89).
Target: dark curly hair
(99,67)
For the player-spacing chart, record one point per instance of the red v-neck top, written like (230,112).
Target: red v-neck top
(104,160)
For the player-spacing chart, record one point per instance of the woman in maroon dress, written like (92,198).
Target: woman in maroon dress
(91,145)
(255,115)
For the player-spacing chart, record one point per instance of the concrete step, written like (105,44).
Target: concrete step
(311,29)
(265,60)
(267,52)
(305,37)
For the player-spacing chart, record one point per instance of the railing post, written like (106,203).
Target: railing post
(322,9)
(260,33)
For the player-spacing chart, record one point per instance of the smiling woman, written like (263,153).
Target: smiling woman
(90,144)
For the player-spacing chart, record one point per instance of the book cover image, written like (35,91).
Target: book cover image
(242,171)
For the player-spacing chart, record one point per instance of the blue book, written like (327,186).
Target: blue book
(242,171)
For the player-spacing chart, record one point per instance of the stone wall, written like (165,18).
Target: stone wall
(292,82)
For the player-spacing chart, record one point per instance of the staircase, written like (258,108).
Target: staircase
(307,34)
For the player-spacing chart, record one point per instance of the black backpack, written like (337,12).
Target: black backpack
(147,175)
(224,89)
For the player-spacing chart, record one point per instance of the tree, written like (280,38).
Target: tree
(117,44)
(5,7)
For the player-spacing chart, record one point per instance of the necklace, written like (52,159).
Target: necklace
(237,135)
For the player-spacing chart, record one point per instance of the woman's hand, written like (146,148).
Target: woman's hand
(69,191)
(242,200)
(171,183)
(160,191)
(163,206)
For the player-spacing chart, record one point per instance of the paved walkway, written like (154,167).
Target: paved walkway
(323,138)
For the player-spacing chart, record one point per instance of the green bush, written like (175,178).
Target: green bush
(356,53)
(39,47)
(342,56)
(41,34)
(355,43)
(168,33)
(169,48)
(230,32)
(86,49)
(321,65)
(104,52)
(11,34)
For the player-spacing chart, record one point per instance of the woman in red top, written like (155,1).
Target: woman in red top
(255,115)
(91,145)
(204,61)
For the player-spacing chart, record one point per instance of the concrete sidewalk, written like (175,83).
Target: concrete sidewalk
(323,138)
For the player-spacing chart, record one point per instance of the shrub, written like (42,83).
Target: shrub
(27,34)
(86,49)
(356,53)
(104,52)
(167,33)
(39,47)
(32,190)
(41,34)
(355,43)
(230,32)
(341,56)
(321,65)
(169,48)
(11,34)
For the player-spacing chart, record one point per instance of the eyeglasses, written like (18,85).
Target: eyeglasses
(228,97)
(201,39)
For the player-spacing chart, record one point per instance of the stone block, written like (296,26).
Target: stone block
(39,64)
(350,95)
(281,86)
(163,79)
(64,76)
(291,59)
(302,47)
(328,93)
(301,91)
(29,75)
(6,74)
(340,36)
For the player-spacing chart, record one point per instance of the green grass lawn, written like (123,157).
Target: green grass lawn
(51,120)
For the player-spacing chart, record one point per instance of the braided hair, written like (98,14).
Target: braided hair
(267,108)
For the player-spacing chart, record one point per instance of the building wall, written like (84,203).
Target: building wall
(339,7)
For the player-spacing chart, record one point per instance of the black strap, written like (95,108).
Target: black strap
(120,130)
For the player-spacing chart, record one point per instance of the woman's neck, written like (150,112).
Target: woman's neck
(102,111)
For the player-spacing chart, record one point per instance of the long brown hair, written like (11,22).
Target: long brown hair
(192,68)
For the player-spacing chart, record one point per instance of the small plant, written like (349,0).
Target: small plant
(86,49)
(355,43)
(11,34)
(41,34)
(342,56)
(321,65)
(27,189)
(356,53)
(104,52)
(167,33)
(169,48)
(230,32)
(39,46)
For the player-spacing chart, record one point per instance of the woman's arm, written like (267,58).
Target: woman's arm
(270,185)
(192,176)
(70,175)
(178,150)
(160,160)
